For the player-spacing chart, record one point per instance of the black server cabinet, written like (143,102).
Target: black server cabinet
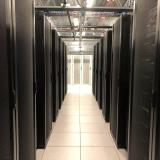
(43,76)
(156,130)
(55,73)
(61,51)
(120,80)
(94,71)
(99,88)
(48,70)
(97,68)
(106,75)
(60,73)
(63,73)
(24,11)
(156,102)
(143,84)
(8,86)
(65,70)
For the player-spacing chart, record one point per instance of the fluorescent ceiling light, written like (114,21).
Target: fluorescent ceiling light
(68,5)
(76,21)
(83,33)
(90,3)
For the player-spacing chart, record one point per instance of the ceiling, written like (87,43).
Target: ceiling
(82,30)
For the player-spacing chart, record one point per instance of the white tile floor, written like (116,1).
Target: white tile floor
(80,132)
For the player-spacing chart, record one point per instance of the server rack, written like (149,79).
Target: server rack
(120,80)
(24,11)
(55,74)
(16,97)
(64,74)
(156,132)
(106,75)
(144,82)
(61,66)
(48,70)
(99,81)
(60,71)
(97,68)
(8,84)
(156,110)
(101,73)
(94,71)
(43,75)
(65,69)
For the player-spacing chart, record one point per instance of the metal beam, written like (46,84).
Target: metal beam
(89,27)
(84,37)
(69,19)
(105,27)
(72,28)
(69,40)
(76,31)
(93,9)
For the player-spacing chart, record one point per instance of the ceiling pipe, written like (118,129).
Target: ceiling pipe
(83,37)
(78,9)
(79,3)
(69,18)
(102,27)
(84,40)
(72,28)
(82,19)
(90,31)
(90,27)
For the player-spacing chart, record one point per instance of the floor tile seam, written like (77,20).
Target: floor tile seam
(80,123)
(43,154)
(116,150)
(97,146)
(63,147)
(114,145)
(68,132)
(56,146)
(111,147)
(79,132)
(82,132)
(89,132)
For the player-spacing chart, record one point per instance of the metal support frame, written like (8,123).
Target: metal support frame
(72,28)
(90,31)
(99,27)
(77,40)
(49,9)
(84,37)
(69,18)
(67,28)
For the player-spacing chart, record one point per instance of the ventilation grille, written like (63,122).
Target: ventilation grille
(38,3)
(129,3)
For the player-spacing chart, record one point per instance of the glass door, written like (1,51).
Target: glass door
(87,69)
(79,69)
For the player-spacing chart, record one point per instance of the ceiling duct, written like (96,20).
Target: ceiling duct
(129,3)
(122,2)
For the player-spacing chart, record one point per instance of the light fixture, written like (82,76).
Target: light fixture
(90,3)
(83,33)
(68,5)
(76,21)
